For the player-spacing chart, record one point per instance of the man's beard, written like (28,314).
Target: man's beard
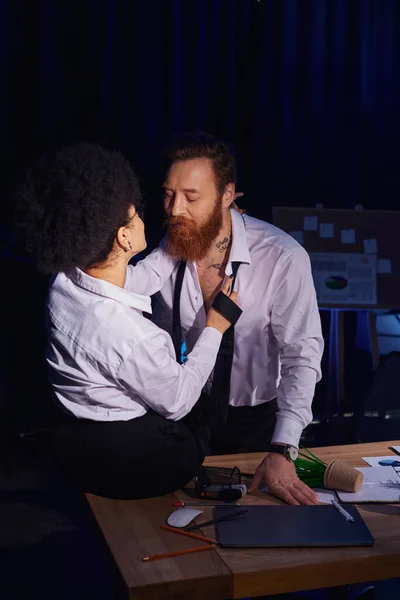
(189,241)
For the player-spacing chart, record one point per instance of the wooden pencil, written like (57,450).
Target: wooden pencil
(201,538)
(178,553)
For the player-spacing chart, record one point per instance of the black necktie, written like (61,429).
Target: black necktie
(221,385)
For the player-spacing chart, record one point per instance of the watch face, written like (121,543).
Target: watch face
(293,453)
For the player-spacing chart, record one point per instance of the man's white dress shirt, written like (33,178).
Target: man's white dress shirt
(107,362)
(278,338)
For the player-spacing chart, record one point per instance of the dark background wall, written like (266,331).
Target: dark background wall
(307,92)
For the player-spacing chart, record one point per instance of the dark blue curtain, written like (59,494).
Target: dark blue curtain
(307,91)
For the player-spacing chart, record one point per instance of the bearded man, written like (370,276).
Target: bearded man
(260,394)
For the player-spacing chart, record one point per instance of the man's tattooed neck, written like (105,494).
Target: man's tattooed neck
(224,244)
(217,266)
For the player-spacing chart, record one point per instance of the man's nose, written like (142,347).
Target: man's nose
(176,206)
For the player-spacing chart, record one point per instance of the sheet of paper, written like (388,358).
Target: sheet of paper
(298,236)
(325,496)
(370,246)
(383,266)
(381,484)
(395,449)
(374,461)
(348,236)
(310,224)
(343,278)
(327,230)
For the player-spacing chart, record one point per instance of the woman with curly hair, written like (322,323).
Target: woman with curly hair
(112,371)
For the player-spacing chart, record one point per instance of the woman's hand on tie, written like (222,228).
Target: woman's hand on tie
(214,318)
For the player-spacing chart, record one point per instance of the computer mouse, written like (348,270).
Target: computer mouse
(183,516)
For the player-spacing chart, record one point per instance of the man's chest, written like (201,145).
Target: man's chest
(255,287)
(254,298)
(210,282)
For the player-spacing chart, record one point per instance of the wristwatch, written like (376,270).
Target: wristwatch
(289,452)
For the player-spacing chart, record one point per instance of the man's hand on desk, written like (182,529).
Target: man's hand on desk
(280,477)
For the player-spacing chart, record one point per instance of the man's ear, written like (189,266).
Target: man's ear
(228,196)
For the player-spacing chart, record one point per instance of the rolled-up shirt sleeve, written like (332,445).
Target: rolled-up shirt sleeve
(150,371)
(296,327)
(150,274)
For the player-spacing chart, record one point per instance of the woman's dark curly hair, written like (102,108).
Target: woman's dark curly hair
(71,204)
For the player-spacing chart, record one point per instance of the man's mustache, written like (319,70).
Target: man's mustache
(174,221)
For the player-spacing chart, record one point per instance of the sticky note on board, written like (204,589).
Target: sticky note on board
(298,236)
(348,236)
(370,246)
(310,224)
(327,230)
(383,266)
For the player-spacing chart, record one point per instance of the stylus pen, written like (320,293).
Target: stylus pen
(217,520)
(343,512)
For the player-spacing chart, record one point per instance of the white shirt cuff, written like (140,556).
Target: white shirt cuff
(287,431)
(211,337)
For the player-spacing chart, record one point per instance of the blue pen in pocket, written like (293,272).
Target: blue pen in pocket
(183,354)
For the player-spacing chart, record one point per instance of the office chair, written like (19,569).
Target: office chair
(377,419)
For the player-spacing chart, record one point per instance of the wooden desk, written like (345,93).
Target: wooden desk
(131,529)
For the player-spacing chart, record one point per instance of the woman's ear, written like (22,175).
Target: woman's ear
(122,239)
(228,196)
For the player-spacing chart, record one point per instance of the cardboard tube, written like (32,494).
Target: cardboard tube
(341,476)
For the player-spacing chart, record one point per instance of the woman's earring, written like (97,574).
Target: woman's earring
(130,246)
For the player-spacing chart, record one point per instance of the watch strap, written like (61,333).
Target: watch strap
(278,449)
(286,450)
